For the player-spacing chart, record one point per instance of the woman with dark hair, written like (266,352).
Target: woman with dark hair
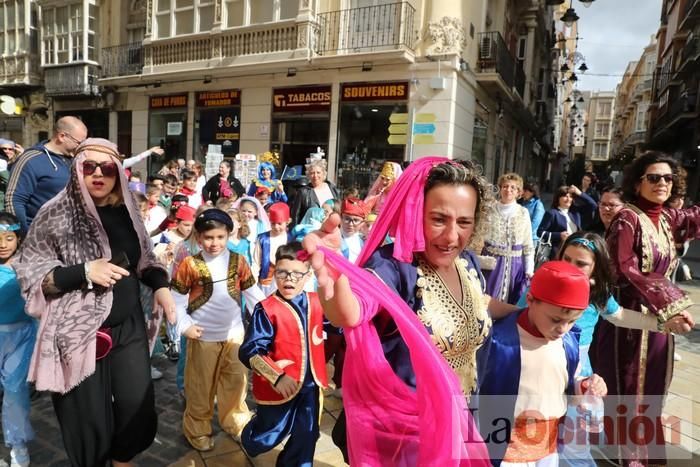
(222,185)
(425,281)
(530,200)
(610,204)
(642,240)
(79,270)
(564,217)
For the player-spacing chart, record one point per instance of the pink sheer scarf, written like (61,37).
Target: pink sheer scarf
(387,422)
(402,214)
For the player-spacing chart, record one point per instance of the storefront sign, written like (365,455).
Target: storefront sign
(306,99)
(374,92)
(167,102)
(221,126)
(219,98)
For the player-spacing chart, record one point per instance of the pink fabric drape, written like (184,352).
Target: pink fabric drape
(389,423)
(402,215)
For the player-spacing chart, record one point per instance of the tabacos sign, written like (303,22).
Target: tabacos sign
(304,99)
(395,91)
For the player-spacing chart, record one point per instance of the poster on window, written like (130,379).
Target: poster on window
(221,126)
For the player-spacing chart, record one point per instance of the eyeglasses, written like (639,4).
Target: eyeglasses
(74,139)
(108,168)
(610,205)
(295,276)
(8,149)
(352,220)
(656,178)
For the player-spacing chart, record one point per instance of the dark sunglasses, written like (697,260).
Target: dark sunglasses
(656,178)
(108,168)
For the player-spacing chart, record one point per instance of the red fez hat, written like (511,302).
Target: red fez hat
(261,190)
(278,212)
(185,213)
(354,207)
(562,284)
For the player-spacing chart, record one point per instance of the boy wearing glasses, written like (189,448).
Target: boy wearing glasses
(210,286)
(283,346)
(352,213)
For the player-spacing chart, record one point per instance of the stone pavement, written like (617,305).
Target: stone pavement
(171,449)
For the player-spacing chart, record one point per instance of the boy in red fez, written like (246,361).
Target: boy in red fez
(165,244)
(283,346)
(531,365)
(263,195)
(267,244)
(352,213)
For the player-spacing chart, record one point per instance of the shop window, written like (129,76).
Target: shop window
(247,12)
(363,143)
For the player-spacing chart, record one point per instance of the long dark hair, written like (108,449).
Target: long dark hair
(636,169)
(602,277)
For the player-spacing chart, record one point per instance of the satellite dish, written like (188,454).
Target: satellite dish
(7,105)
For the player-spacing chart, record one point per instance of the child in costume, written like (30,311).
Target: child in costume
(266,178)
(165,243)
(189,189)
(379,192)
(262,194)
(255,216)
(156,212)
(532,361)
(352,214)
(238,239)
(267,244)
(17,336)
(211,318)
(286,332)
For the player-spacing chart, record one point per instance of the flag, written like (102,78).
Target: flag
(291,173)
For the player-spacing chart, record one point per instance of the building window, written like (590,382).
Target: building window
(641,118)
(604,109)
(65,30)
(179,17)
(12,22)
(602,129)
(600,150)
(246,12)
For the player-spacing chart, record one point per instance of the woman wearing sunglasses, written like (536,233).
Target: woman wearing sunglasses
(79,269)
(641,239)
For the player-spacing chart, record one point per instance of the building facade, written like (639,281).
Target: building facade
(632,101)
(367,81)
(601,112)
(674,125)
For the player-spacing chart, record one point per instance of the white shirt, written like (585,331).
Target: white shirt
(323,193)
(354,244)
(221,317)
(570,226)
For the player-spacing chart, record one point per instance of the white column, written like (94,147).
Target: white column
(113,127)
(190,125)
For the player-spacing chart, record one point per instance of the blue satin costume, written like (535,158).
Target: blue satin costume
(499,375)
(298,418)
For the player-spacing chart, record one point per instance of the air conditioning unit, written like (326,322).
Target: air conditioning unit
(485,48)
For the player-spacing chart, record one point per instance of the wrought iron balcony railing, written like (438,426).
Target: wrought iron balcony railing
(365,29)
(494,56)
(122,60)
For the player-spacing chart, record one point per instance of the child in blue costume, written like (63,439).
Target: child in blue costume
(531,364)
(17,336)
(284,347)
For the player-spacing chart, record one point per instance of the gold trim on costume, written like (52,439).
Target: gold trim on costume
(205,280)
(455,326)
(264,369)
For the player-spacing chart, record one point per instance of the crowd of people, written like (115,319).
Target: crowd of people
(441,309)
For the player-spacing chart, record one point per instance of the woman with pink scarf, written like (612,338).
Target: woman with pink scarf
(414,322)
(80,270)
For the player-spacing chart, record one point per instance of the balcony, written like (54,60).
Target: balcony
(74,79)
(366,29)
(275,46)
(21,69)
(678,109)
(498,69)
(122,60)
(690,54)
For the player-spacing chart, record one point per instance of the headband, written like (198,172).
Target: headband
(585,242)
(9,227)
(99,148)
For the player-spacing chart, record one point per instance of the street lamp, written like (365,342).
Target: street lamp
(586,3)
(583,68)
(569,17)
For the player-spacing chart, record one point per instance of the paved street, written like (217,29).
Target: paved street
(171,449)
